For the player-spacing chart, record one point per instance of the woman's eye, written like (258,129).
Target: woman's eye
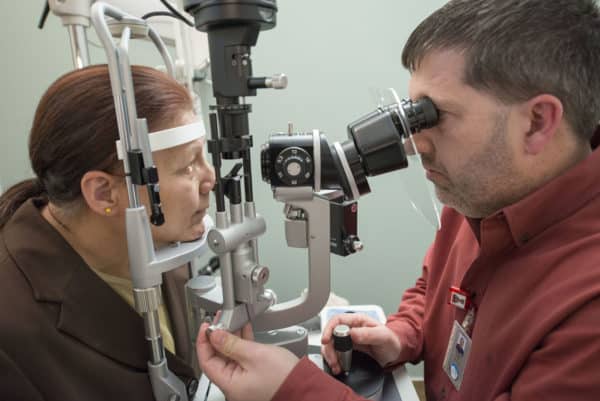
(189,169)
(193,166)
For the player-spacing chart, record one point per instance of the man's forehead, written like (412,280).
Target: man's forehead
(442,97)
(441,64)
(439,76)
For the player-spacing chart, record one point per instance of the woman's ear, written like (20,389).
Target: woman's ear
(545,114)
(101,192)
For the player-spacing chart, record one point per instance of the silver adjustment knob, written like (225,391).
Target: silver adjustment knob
(260,275)
(270,296)
(277,81)
(358,246)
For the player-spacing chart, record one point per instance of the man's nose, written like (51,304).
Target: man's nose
(422,144)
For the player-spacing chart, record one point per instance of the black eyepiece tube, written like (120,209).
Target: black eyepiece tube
(377,140)
(420,114)
(378,136)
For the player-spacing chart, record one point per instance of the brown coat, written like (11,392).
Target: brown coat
(64,333)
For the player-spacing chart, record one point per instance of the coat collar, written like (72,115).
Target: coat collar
(90,311)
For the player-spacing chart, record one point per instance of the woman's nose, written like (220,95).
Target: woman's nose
(208,181)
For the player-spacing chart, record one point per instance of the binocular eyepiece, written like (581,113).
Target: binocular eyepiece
(378,143)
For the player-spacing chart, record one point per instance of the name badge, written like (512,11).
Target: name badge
(457,355)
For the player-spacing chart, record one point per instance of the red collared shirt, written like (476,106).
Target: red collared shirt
(534,271)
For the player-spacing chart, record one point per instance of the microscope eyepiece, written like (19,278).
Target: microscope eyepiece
(420,114)
(376,145)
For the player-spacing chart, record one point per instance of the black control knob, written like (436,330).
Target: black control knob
(353,244)
(342,344)
(294,166)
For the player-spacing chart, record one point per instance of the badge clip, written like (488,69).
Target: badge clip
(459,298)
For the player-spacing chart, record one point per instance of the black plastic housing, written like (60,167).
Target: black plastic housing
(210,13)
(233,27)
(378,142)
(343,227)
(276,156)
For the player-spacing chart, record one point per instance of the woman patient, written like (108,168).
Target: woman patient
(68,330)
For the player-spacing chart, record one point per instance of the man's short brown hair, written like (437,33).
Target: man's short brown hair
(517,49)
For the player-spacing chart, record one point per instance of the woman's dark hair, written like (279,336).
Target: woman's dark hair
(75,128)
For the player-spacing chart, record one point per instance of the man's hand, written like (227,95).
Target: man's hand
(368,336)
(241,368)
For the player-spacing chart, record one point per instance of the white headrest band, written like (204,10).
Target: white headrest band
(169,138)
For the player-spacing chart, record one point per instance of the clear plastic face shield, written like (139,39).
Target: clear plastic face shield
(420,191)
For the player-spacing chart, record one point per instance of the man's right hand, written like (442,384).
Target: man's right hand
(368,336)
(241,368)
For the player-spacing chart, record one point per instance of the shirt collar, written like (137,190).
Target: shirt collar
(554,201)
(546,206)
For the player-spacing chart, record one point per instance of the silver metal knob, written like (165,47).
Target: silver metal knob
(260,275)
(277,81)
(358,246)
(269,295)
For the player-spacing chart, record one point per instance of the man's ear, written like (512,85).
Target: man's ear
(544,114)
(101,192)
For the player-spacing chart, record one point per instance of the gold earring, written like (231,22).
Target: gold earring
(107,210)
